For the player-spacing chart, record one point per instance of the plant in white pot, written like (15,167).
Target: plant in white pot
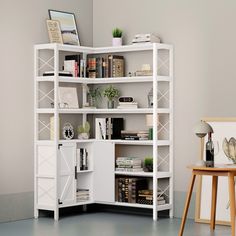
(111,93)
(83,131)
(117,37)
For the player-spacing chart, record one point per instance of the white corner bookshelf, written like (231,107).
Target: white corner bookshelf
(57,175)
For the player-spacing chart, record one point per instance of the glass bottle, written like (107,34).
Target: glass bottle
(209,152)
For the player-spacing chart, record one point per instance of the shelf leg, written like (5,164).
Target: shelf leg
(56,214)
(36,213)
(84,208)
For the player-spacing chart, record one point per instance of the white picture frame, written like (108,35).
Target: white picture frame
(223,128)
(68,98)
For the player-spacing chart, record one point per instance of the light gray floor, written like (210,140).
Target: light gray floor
(106,224)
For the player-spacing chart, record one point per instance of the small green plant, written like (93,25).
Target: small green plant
(117,33)
(94,96)
(111,93)
(148,164)
(84,128)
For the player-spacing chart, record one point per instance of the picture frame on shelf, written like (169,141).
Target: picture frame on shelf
(68,98)
(54,31)
(68,26)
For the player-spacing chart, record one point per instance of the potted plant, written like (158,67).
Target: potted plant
(94,96)
(83,131)
(148,164)
(111,93)
(117,37)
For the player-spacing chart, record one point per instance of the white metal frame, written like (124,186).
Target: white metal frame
(155,111)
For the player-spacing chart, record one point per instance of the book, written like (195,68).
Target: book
(100,128)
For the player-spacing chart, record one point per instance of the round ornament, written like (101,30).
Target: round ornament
(68,131)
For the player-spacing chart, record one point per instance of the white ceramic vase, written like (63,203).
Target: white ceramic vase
(116,41)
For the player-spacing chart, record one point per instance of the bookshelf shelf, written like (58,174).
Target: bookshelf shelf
(84,171)
(160,175)
(126,204)
(80,203)
(112,111)
(57,160)
(114,80)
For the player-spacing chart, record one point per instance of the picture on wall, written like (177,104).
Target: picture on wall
(68,26)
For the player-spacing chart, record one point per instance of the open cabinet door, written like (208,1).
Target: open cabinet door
(104,178)
(67,181)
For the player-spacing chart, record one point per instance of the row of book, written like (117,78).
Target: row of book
(82,159)
(82,195)
(145,196)
(134,135)
(131,164)
(127,188)
(106,66)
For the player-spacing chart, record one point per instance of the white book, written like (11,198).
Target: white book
(100,128)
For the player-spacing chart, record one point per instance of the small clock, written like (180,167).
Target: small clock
(68,131)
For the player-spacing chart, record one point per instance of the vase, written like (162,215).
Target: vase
(93,102)
(83,136)
(116,41)
(110,104)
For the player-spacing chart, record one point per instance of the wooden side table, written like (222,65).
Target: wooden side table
(225,170)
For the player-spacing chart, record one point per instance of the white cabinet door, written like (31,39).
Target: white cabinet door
(104,164)
(67,185)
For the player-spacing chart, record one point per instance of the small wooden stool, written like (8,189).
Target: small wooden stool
(214,172)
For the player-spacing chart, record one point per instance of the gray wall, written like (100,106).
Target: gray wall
(203,34)
(23,25)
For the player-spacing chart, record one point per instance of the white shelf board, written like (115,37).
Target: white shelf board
(100,50)
(76,204)
(76,141)
(134,79)
(114,80)
(126,204)
(160,174)
(84,171)
(45,110)
(112,111)
(141,173)
(45,207)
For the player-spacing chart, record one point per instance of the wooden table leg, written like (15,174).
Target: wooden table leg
(213,201)
(187,204)
(232,201)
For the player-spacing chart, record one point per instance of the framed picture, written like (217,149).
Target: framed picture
(68,98)
(54,31)
(223,128)
(68,26)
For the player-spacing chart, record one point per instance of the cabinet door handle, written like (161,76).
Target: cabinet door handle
(75,172)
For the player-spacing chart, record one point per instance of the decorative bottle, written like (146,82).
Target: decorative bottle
(209,152)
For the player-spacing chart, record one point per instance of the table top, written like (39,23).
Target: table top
(222,167)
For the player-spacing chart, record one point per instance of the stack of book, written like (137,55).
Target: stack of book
(127,105)
(146,197)
(127,189)
(82,195)
(134,135)
(107,66)
(82,159)
(146,38)
(130,164)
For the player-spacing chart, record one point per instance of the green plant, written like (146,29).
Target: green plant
(148,164)
(111,93)
(84,128)
(117,33)
(95,93)
(148,161)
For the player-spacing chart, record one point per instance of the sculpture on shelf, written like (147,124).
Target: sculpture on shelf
(83,131)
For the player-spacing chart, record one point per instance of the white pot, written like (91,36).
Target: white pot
(83,136)
(116,41)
